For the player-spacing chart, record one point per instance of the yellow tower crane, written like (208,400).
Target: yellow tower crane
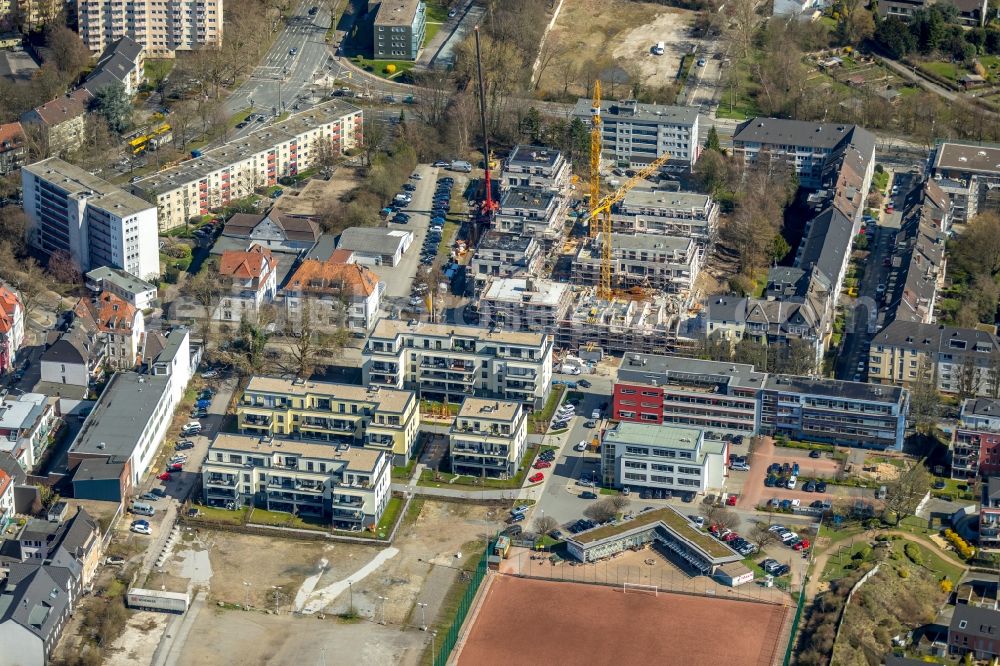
(603,209)
(595,152)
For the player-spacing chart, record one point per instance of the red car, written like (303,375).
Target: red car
(164,477)
(542,464)
(732,536)
(535,478)
(801,545)
(889,208)
(176,467)
(731,500)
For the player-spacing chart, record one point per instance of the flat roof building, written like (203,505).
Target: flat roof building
(487,438)
(637,133)
(524,304)
(399,29)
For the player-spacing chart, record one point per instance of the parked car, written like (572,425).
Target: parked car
(210,374)
(821,486)
(809,487)
(688,497)
(114,560)
(149,497)
(536,478)
(699,521)
(141,527)
(584,383)
(163,476)
(184,445)
(581,445)
(814,454)
(801,545)
(588,495)
(731,500)
(542,464)
(441,164)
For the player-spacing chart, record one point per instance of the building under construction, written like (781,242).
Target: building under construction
(650,325)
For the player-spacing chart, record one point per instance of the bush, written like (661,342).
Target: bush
(390,69)
(904,572)
(913,553)
(945,585)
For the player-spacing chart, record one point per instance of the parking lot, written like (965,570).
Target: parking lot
(754,492)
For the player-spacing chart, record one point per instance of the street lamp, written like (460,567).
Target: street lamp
(423,618)
(382,601)
(246,595)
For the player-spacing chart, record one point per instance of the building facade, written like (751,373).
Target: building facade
(126,286)
(13,148)
(11,327)
(633,133)
(95,223)
(399,29)
(237,168)
(535,166)
(61,124)
(121,325)
(644,458)
(27,422)
(162,28)
(524,304)
(249,280)
(500,255)
(442,361)
(975,445)
(334,294)
(531,211)
(347,486)
(487,438)
(682,214)
(667,263)
(373,418)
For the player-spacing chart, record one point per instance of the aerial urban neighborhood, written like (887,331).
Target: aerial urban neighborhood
(430,332)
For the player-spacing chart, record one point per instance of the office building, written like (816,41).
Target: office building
(836,412)
(399,29)
(723,399)
(682,214)
(633,133)
(963,360)
(163,28)
(524,304)
(975,445)
(487,438)
(97,224)
(237,168)
(126,286)
(535,166)
(11,327)
(345,485)
(448,362)
(375,418)
(666,263)
(649,458)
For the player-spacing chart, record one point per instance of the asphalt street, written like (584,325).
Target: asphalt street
(283,77)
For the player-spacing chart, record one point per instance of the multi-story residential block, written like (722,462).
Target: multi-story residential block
(123,62)
(919,254)
(723,399)
(535,166)
(968,174)
(650,458)
(13,147)
(334,294)
(974,630)
(61,124)
(162,28)
(989,514)
(31,15)
(531,211)
(345,485)
(962,360)
(667,263)
(842,413)
(970,13)
(54,541)
(6,500)
(937,205)
(120,437)
(487,438)
(636,133)
(442,361)
(250,281)
(399,29)
(11,327)
(237,168)
(376,418)
(524,304)
(26,424)
(97,224)
(683,214)
(975,446)
(814,151)
(121,325)
(126,286)
(504,256)
(621,325)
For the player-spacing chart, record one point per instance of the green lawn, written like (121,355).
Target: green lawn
(222,516)
(941,566)
(283,519)
(539,420)
(389,517)
(431,30)
(404,472)
(156,70)
(465,482)
(841,559)
(379,67)
(946,70)
(436,12)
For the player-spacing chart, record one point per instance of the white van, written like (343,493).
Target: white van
(461,165)
(659,48)
(143,509)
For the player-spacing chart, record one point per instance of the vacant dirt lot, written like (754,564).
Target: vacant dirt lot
(547,618)
(318,193)
(620,35)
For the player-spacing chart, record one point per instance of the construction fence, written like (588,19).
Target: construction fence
(450,638)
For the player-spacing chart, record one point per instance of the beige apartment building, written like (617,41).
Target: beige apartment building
(162,26)
(236,169)
(487,438)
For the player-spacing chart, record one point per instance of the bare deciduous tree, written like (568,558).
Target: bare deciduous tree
(601,511)
(545,524)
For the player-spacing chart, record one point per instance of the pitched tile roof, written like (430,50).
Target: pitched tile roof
(111,313)
(254,262)
(11,136)
(330,277)
(9,303)
(64,108)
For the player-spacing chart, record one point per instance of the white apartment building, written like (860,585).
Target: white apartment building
(249,282)
(25,425)
(138,292)
(442,361)
(96,223)
(345,485)
(487,438)
(504,255)
(161,26)
(531,211)
(684,214)
(236,169)
(11,327)
(668,263)
(524,304)
(645,457)
(535,166)
(636,134)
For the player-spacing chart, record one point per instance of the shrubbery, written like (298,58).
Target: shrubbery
(913,553)
(961,546)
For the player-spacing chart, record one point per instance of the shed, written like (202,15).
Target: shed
(734,574)
(375,246)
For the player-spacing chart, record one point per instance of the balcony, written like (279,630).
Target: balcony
(221,493)
(309,486)
(227,480)
(347,501)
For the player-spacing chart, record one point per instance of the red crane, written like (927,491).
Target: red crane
(487,207)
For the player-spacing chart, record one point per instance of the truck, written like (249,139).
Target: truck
(461,165)
(158,600)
